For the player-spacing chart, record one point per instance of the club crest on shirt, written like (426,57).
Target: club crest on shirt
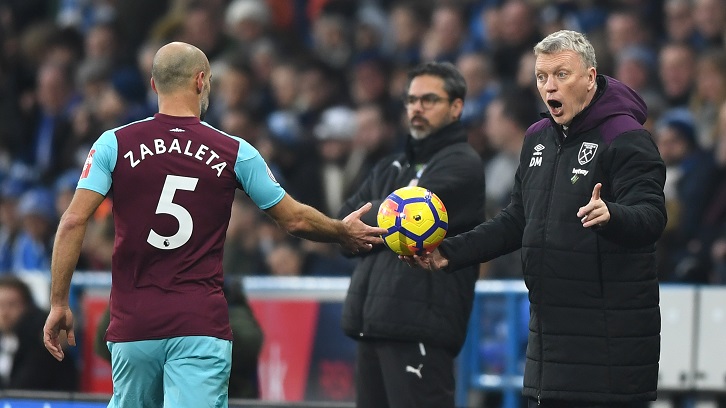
(586,153)
(87,165)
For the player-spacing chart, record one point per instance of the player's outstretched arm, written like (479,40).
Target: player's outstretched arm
(432,261)
(67,248)
(306,222)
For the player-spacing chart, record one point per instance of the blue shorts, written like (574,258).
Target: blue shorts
(178,372)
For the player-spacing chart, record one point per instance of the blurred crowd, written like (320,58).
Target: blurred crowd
(316,87)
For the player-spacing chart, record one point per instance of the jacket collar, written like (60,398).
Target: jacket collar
(420,151)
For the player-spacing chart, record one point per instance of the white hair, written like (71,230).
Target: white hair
(241,10)
(567,40)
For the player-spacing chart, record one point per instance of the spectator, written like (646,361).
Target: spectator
(320,88)
(375,137)
(294,159)
(709,94)
(677,74)
(518,32)
(234,83)
(339,165)
(635,67)
(10,224)
(247,22)
(242,252)
(332,40)
(679,23)
(481,85)
(689,173)
(24,362)
(203,26)
(712,237)
(32,249)
(369,82)
(626,28)
(710,19)
(247,343)
(48,122)
(444,39)
(285,259)
(408,21)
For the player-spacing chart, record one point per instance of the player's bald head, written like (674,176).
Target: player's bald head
(175,66)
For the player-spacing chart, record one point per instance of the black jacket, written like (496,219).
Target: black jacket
(34,368)
(388,299)
(594,330)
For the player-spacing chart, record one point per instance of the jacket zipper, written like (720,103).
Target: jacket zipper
(549,207)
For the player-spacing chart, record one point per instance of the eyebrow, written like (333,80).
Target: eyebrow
(424,94)
(556,68)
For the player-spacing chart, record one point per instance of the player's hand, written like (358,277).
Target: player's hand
(432,261)
(361,237)
(596,212)
(59,319)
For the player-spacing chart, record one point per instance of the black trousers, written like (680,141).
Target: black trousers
(572,404)
(391,374)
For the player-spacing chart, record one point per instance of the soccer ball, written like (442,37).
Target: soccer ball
(416,220)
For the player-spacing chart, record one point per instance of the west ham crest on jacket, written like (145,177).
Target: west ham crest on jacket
(586,153)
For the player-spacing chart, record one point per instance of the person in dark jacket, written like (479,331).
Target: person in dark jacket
(411,324)
(587,208)
(24,362)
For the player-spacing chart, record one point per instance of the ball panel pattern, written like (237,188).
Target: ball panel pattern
(416,220)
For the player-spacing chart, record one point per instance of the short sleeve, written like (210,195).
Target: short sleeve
(256,178)
(100,163)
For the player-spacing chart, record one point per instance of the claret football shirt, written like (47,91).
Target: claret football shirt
(173,181)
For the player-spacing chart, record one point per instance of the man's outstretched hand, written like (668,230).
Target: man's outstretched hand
(360,236)
(432,261)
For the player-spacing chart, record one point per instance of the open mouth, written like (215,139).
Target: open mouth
(555,107)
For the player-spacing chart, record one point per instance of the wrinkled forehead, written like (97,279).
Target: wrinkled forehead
(567,59)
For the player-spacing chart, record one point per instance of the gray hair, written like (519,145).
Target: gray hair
(567,40)
(241,10)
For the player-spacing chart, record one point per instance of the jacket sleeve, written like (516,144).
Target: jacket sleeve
(636,172)
(498,236)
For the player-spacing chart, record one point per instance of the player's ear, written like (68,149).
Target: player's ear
(200,82)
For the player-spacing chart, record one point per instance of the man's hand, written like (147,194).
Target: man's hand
(360,236)
(59,319)
(595,213)
(432,261)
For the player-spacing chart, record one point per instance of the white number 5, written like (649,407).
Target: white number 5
(166,206)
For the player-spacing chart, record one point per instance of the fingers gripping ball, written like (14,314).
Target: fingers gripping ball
(416,220)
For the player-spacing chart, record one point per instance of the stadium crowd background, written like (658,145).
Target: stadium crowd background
(316,87)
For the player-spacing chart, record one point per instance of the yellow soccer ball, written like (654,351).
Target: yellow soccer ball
(416,220)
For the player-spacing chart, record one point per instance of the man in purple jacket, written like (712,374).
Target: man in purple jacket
(173,179)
